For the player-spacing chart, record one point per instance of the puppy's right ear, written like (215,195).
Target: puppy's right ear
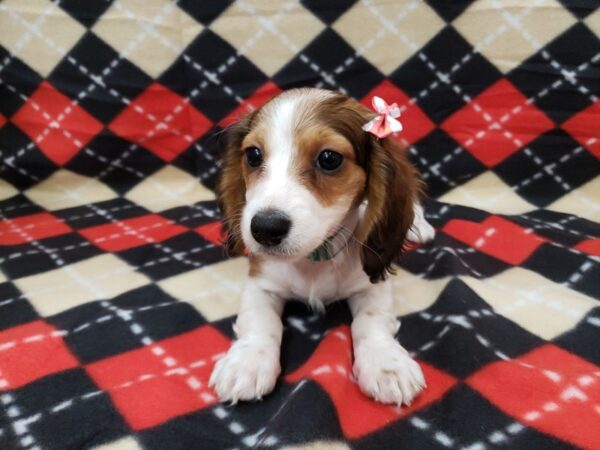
(231,188)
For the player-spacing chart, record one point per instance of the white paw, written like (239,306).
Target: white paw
(421,231)
(248,371)
(386,372)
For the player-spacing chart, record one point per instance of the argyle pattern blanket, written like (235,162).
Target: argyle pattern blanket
(116,296)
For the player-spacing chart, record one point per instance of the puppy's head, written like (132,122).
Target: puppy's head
(293,170)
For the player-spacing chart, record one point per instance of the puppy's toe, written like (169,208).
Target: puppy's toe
(242,375)
(388,374)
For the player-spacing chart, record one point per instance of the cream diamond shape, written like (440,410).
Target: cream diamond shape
(38,32)
(535,303)
(150,33)
(246,26)
(489,193)
(413,293)
(485,25)
(101,277)
(65,189)
(583,201)
(213,290)
(387,33)
(128,443)
(593,22)
(169,188)
(7,190)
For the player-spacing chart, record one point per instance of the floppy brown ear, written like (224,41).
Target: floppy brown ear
(393,185)
(231,188)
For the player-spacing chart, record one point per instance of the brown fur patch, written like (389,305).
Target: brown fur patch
(231,187)
(328,188)
(255,266)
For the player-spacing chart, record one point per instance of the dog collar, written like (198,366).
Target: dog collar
(330,247)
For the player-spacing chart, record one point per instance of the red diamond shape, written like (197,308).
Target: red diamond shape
(497,237)
(176,124)
(585,127)
(591,246)
(415,122)
(331,365)
(114,237)
(255,101)
(212,232)
(57,126)
(153,384)
(2,120)
(548,389)
(518,127)
(33,227)
(31,351)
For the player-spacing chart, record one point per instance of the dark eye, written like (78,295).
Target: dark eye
(254,156)
(329,160)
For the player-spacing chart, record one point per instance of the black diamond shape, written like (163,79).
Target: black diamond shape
(581,8)
(201,158)
(115,161)
(304,331)
(329,11)
(238,77)
(14,308)
(440,174)
(31,259)
(479,421)
(446,51)
(457,343)
(17,82)
(576,270)
(449,257)
(87,12)
(119,76)
(583,339)
(97,332)
(571,50)
(17,206)
(45,394)
(201,214)
(206,11)
(316,65)
(449,9)
(159,264)
(102,213)
(527,171)
(211,428)
(23,163)
(558,227)
(439,213)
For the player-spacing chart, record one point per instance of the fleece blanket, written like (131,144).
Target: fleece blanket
(116,296)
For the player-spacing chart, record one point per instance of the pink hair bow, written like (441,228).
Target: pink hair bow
(385,123)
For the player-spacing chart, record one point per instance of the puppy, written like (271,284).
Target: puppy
(323,209)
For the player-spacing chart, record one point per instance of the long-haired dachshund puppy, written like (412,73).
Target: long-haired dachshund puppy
(324,209)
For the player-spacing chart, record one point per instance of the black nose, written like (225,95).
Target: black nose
(270,226)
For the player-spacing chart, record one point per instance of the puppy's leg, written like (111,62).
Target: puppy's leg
(383,368)
(421,231)
(250,368)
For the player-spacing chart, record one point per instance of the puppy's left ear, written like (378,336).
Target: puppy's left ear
(231,188)
(393,186)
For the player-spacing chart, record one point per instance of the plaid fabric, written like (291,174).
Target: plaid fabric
(116,297)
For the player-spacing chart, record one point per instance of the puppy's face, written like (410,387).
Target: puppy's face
(302,175)
(293,170)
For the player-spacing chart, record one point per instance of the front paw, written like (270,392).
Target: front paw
(386,372)
(248,371)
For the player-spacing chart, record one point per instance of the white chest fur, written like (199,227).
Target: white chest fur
(317,283)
